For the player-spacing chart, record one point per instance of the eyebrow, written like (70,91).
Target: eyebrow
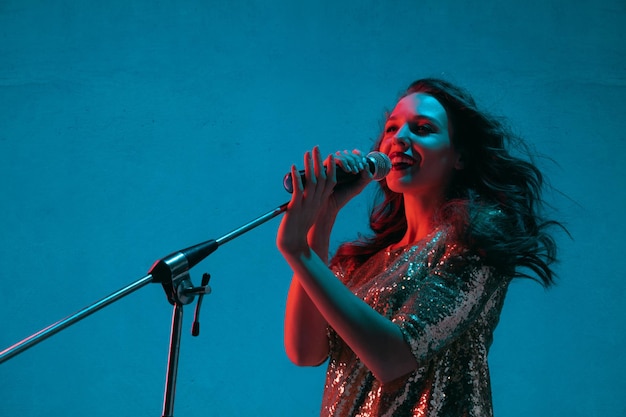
(418,117)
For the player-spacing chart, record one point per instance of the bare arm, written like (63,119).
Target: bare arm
(317,297)
(306,341)
(377,341)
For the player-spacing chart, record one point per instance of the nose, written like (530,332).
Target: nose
(403,136)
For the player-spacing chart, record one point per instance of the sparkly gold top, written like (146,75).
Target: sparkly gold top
(447,304)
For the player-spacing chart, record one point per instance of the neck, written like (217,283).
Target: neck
(420,212)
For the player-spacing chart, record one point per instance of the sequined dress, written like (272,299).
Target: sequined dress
(447,304)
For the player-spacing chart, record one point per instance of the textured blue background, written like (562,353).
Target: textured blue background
(130,129)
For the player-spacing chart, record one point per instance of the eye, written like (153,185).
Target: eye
(421,129)
(391,128)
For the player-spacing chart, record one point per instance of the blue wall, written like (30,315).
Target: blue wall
(130,129)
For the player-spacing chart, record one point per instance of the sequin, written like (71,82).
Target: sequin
(447,304)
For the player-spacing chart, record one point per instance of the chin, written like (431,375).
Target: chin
(399,185)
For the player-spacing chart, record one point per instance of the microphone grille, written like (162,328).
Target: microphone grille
(381,164)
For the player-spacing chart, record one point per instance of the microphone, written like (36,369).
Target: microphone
(378,164)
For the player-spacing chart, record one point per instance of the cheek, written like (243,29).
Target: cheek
(436,143)
(384,147)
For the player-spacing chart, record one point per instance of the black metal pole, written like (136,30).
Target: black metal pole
(54,328)
(194,253)
(171,272)
(172,363)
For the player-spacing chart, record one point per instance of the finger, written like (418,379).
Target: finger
(350,162)
(309,171)
(365,170)
(360,159)
(331,168)
(298,187)
(342,159)
(320,172)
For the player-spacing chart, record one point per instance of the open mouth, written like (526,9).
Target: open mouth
(401,161)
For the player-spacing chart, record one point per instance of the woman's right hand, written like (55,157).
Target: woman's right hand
(353,162)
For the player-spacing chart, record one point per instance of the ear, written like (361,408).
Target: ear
(459,164)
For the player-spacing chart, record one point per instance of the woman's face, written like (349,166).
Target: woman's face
(417,140)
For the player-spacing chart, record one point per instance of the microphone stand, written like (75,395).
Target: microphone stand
(172,272)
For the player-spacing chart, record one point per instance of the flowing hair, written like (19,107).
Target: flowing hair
(494,203)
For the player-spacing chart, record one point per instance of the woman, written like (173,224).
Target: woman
(406,316)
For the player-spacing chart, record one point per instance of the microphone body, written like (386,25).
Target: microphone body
(378,164)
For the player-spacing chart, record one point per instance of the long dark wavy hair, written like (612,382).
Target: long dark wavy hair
(494,203)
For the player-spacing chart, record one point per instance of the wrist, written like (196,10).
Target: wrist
(323,223)
(318,236)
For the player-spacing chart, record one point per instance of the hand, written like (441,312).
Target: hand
(306,203)
(353,162)
(319,202)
